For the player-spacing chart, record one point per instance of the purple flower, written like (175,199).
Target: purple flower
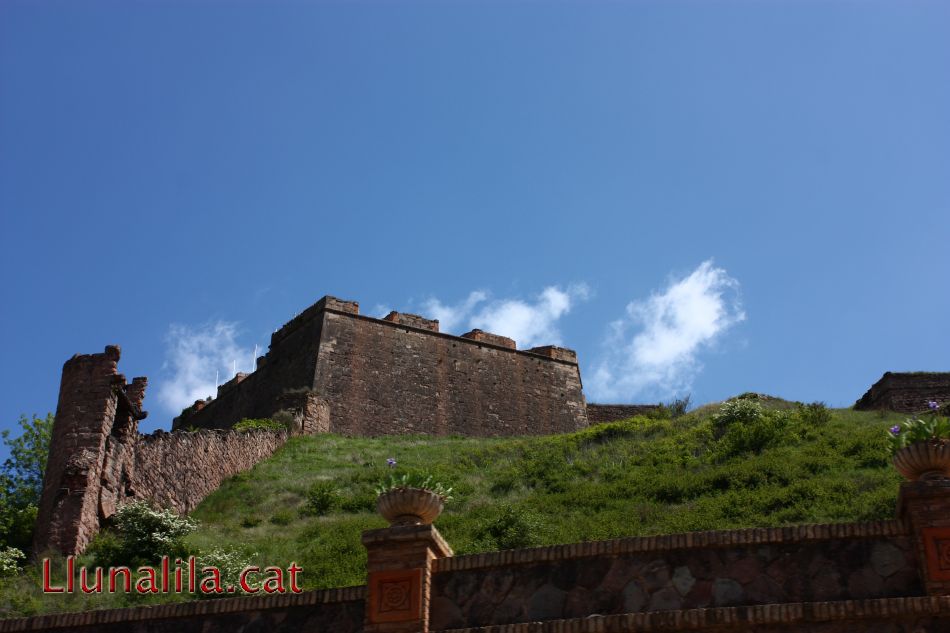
(933,405)
(896,429)
(391,462)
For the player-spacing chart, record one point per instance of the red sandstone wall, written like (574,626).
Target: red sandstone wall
(85,415)
(98,460)
(289,365)
(384,378)
(401,376)
(178,470)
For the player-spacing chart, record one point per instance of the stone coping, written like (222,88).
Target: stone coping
(725,617)
(183,609)
(667,542)
(406,534)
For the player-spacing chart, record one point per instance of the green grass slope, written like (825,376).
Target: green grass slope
(757,462)
(640,476)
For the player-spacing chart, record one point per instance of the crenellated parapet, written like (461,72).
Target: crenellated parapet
(400,374)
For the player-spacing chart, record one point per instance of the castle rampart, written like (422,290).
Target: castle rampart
(401,375)
(908,392)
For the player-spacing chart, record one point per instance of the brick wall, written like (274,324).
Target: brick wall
(907,392)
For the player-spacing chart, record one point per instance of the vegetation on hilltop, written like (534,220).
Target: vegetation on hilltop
(753,461)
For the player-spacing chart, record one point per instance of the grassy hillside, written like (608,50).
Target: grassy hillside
(756,462)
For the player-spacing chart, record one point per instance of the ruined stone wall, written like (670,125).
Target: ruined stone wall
(98,460)
(690,571)
(907,392)
(94,412)
(383,377)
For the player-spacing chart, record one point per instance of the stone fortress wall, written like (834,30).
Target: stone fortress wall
(908,392)
(400,374)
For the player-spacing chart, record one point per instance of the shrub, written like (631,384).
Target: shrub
(284,418)
(282,517)
(815,414)
(678,407)
(360,501)
(742,425)
(754,437)
(741,410)
(508,528)
(9,561)
(142,534)
(263,424)
(322,497)
(230,562)
(249,522)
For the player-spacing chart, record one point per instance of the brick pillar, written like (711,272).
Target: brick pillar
(399,561)
(925,506)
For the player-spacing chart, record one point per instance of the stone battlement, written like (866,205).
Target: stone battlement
(400,374)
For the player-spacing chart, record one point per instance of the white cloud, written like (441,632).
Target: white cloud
(451,318)
(653,349)
(380,310)
(194,357)
(529,323)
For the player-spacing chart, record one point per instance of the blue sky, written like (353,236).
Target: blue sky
(704,198)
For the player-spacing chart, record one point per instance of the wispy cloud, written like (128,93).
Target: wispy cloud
(194,357)
(653,350)
(452,317)
(529,323)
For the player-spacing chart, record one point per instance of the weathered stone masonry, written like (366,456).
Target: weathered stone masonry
(907,392)
(98,459)
(401,375)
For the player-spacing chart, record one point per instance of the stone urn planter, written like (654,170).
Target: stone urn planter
(924,461)
(409,506)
